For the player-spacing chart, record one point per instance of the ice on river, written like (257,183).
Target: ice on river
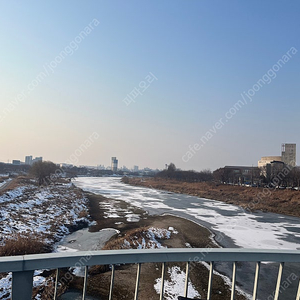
(247,230)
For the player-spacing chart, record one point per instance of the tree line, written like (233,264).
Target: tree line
(190,176)
(47,172)
(280,175)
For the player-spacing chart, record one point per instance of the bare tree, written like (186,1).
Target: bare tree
(42,170)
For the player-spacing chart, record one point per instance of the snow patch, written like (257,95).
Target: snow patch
(175,286)
(147,239)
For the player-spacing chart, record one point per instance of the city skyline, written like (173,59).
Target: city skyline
(288,157)
(199,84)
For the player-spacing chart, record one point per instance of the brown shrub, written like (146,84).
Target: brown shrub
(116,243)
(21,245)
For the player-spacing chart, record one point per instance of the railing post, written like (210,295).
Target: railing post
(161,297)
(211,272)
(86,274)
(136,294)
(21,287)
(233,281)
(256,280)
(56,284)
(298,293)
(112,282)
(276,297)
(187,279)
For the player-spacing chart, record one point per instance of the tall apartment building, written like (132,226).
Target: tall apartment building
(28,160)
(114,164)
(288,154)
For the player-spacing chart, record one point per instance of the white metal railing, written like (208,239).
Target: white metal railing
(23,267)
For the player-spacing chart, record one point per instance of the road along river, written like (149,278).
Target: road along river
(231,225)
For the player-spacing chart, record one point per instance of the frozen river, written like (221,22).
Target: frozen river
(242,229)
(233,226)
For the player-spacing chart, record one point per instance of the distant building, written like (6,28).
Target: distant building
(16,162)
(272,169)
(37,159)
(28,160)
(114,164)
(125,169)
(267,160)
(64,165)
(288,154)
(135,168)
(242,174)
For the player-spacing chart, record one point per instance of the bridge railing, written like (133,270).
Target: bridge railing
(23,267)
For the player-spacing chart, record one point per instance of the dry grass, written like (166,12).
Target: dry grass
(61,200)
(115,244)
(136,234)
(21,245)
(277,201)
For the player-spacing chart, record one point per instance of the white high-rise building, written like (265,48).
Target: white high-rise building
(28,160)
(114,164)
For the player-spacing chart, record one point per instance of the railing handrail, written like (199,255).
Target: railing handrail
(105,257)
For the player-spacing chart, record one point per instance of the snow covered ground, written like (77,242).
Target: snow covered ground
(174,286)
(246,230)
(38,281)
(148,239)
(44,212)
(175,282)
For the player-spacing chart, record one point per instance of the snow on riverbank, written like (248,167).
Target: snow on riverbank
(38,281)
(147,239)
(152,238)
(44,212)
(176,285)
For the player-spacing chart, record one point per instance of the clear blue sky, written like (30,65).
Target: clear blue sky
(204,54)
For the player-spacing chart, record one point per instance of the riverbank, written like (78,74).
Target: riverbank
(139,230)
(285,202)
(34,218)
(42,216)
(232,226)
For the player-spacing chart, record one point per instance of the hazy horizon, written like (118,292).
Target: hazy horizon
(211,83)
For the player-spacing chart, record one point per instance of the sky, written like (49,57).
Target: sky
(202,84)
